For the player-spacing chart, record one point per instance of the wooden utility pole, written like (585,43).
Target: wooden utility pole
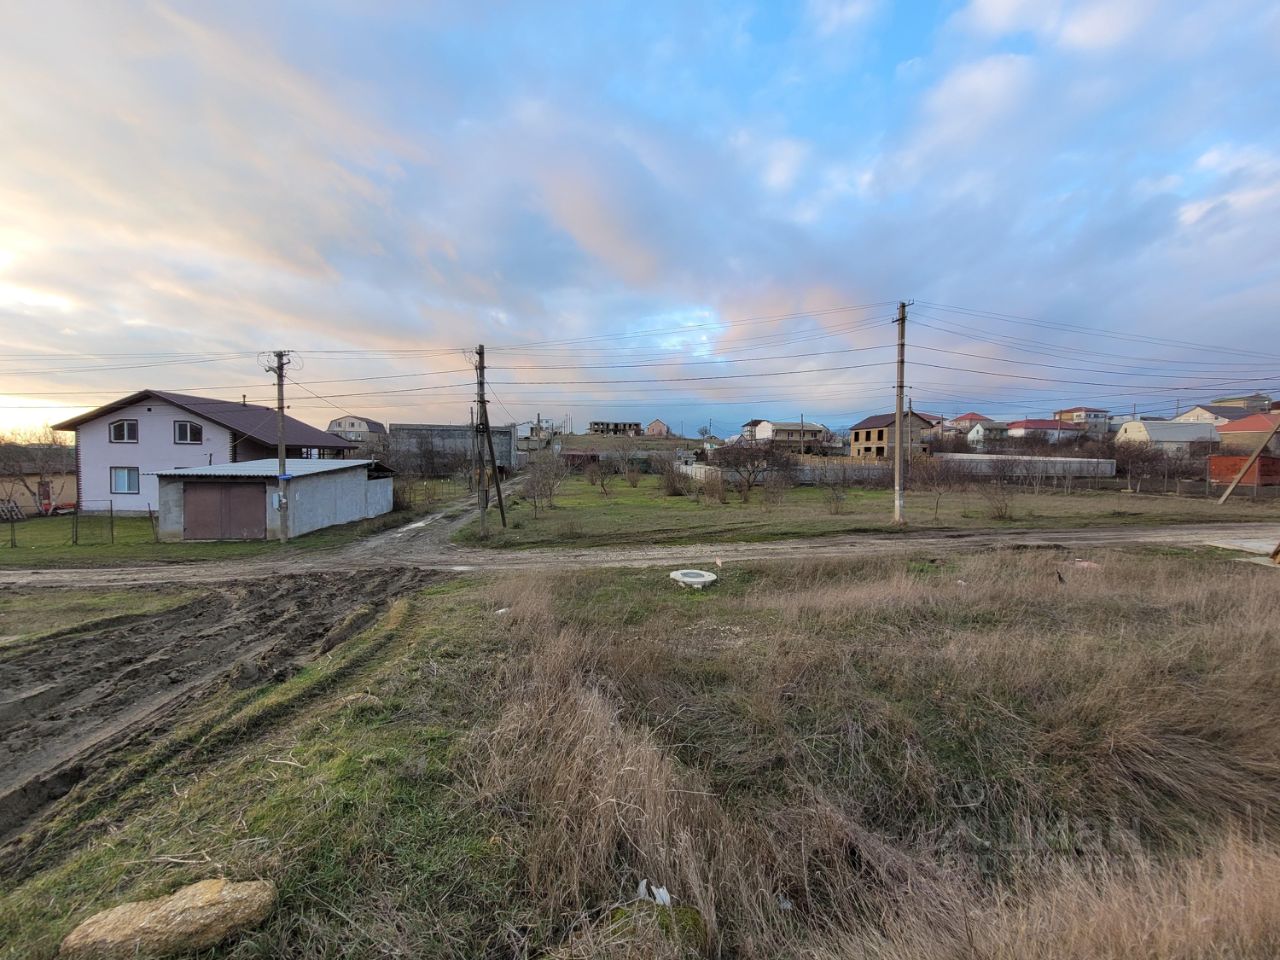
(898,452)
(282,471)
(488,437)
(1249,463)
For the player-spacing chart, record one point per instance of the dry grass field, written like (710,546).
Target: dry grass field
(889,759)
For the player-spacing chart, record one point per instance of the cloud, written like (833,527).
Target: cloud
(232,178)
(834,16)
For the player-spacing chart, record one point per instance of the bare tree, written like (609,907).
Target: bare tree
(630,463)
(543,476)
(35,462)
(835,478)
(1139,461)
(746,463)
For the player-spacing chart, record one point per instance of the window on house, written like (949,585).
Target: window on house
(124,479)
(879,434)
(880,450)
(184,431)
(123,431)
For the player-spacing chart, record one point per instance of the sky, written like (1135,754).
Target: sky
(699,212)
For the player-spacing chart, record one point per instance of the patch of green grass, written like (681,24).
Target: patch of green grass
(643,514)
(46,542)
(26,615)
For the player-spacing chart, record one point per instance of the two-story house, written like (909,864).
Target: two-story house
(792,435)
(1095,420)
(872,438)
(120,446)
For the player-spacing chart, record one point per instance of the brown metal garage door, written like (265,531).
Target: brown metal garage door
(224,511)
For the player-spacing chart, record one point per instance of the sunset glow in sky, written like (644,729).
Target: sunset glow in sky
(695,190)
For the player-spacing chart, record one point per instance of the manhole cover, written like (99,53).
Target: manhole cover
(693,578)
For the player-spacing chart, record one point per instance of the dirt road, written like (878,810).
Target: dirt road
(425,545)
(67,698)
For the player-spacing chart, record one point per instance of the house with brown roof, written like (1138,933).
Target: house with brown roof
(121,446)
(872,437)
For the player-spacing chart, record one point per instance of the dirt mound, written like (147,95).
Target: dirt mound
(68,698)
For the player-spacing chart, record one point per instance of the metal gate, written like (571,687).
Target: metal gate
(224,511)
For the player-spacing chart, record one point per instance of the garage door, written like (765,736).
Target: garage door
(224,511)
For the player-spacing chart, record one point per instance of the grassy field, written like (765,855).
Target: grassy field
(889,759)
(643,514)
(25,616)
(46,542)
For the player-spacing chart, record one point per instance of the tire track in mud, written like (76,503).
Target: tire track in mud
(70,699)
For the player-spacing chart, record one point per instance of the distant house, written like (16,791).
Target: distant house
(1253,402)
(749,429)
(794,435)
(872,437)
(1215,413)
(985,432)
(967,421)
(610,428)
(1169,436)
(1093,419)
(357,429)
(121,446)
(657,429)
(37,477)
(1055,431)
(1246,434)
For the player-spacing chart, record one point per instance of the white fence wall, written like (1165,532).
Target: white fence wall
(983,464)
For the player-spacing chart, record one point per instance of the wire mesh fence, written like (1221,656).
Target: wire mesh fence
(93,523)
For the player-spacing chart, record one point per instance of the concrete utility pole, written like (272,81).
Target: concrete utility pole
(898,453)
(282,472)
(482,484)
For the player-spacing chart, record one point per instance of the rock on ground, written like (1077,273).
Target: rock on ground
(194,918)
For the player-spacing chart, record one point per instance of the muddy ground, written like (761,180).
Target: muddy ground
(69,698)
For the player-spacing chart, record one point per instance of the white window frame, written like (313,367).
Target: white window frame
(132,473)
(125,421)
(188,424)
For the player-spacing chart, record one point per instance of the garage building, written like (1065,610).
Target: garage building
(237,501)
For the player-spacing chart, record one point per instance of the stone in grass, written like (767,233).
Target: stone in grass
(195,917)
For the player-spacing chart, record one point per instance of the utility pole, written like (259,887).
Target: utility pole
(477,459)
(488,437)
(282,471)
(898,462)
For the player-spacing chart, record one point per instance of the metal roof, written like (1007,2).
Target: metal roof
(1171,431)
(249,419)
(265,468)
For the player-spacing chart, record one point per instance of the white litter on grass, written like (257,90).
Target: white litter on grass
(654,894)
(693,578)
(504,610)
(461,569)
(1085,564)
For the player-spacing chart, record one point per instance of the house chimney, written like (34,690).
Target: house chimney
(244,399)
